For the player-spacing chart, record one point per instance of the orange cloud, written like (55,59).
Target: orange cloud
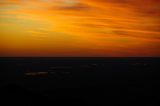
(79,28)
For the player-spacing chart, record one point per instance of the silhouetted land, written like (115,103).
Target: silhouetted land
(79,81)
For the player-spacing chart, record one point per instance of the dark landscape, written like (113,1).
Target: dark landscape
(79,81)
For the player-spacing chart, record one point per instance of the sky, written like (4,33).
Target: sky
(80,28)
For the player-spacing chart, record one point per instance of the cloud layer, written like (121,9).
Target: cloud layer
(80,28)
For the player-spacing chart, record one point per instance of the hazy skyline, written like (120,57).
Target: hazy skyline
(80,28)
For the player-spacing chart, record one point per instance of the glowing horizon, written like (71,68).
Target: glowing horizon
(85,28)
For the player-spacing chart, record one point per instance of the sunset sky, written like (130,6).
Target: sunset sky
(110,28)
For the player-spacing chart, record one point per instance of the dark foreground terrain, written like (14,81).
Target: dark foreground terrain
(79,81)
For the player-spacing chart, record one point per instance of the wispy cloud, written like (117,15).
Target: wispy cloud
(81,27)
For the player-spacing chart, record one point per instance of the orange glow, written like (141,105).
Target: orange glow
(80,28)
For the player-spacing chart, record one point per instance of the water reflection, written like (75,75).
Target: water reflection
(46,73)
(36,73)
